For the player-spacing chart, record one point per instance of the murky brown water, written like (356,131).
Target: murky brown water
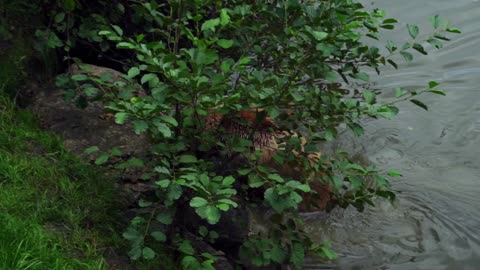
(435,224)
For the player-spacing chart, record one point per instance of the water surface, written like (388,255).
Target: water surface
(435,224)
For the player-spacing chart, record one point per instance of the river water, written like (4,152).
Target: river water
(435,223)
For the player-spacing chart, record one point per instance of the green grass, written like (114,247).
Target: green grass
(55,211)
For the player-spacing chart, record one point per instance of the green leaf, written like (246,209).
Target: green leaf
(175,191)
(213,214)
(369,97)
(148,253)
(318,35)
(164,218)
(390,21)
(244,171)
(276,177)
(104,33)
(224,17)
(454,30)
(298,185)
(161,169)
(254,181)
(132,234)
(388,26)
(132,72)
(79,77)
(164,129)
(244,61)
(407,56)
(148,77)
(135,252)
(228,181)
(203,56)
(188,159)
(419,103)
(277,254)
(102,159)
(441,37)
(356,167)
(327,253)
(329,134)
(214,235)
(391,62)
(298,255)
(117,29)
(222,206)
(91,149)
(198,202)
(419,48)
(115,152)
(435,43)
(432,84)
(438,92)
(413,30)
(170,120)
(131,163)
(125,45)
(186,248)
(225,43)
(120,117)
(227,191)
(400,92)
(140,37)
(59,17)
(388,111)
(140,126)
(210,24)
(144,203)
(297,97)
(356,128)
(159,236)
(228,201)
(394,173)
(435,21)
(226,66)
(90,91)
(203,231)
(362,76)
(50,38)
(190,262)
(69,5)
(163,183)
(120,8)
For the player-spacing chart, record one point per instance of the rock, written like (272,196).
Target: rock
(96,71)
(82,128)
(112,76)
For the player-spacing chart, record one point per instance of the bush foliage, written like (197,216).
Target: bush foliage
(303,64)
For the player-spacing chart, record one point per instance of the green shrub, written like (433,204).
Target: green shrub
(304,64)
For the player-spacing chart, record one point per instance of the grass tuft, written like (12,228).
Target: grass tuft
(56,212)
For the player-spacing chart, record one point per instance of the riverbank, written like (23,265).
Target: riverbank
(56,211)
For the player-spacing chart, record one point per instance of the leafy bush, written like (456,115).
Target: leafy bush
(302,64)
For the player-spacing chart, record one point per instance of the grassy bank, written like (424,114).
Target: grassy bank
(55,211)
